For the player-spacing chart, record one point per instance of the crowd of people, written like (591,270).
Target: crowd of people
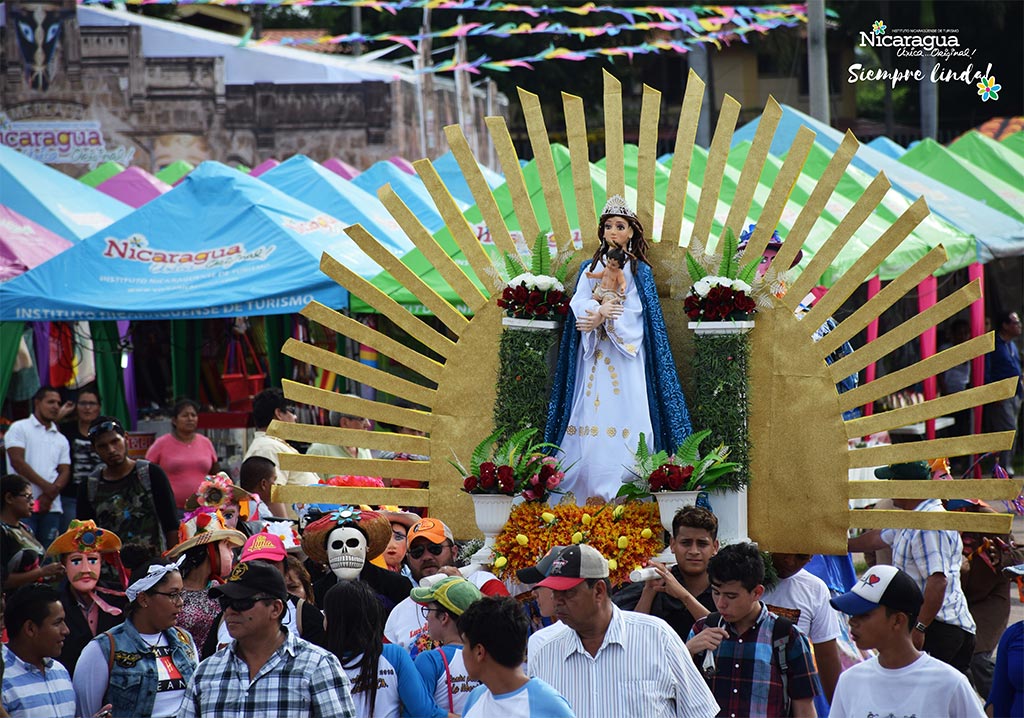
(163,599)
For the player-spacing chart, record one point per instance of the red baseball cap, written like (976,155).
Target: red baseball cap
(574,565)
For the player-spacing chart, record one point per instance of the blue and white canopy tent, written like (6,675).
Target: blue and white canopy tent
(319,187)
(408,187)
(220,244)
(54,200)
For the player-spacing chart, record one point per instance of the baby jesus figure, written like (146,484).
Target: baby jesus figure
(612,289)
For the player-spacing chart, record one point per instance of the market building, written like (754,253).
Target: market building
(84,85)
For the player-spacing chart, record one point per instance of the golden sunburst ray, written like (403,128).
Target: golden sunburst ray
(800,455)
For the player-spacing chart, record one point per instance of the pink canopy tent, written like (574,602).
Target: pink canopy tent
(341,168)
(24,244)
(264,166)
(402,164)
(135,186)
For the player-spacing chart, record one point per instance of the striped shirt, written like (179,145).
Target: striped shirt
(298,680)
(923,553)
(641,670)
(31,693)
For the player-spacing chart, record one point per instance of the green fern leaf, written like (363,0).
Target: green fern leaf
(696,271)
(729,244)
(749,271)
(514,265)
(687,454)
(483,452)
(541,255)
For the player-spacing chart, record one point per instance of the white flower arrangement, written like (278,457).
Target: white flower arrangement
(704,286)
(542,282)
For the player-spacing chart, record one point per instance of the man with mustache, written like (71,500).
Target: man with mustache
(432,551)
(89,608)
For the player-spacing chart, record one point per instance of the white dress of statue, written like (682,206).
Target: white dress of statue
(609,409)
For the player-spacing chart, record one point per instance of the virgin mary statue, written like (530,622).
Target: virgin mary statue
(615,378)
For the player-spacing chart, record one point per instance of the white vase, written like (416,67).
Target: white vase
(730,508)
(669,502)
(536,325)
(492,512)
(726,327)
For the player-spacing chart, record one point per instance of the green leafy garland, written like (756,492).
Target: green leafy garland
(722,396)
(523,379)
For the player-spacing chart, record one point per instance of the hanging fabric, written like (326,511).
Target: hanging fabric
(239,382)
(62,354)
(84,363)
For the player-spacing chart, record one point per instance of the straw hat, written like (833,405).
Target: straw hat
(375,526)
(84,537)
(202,527)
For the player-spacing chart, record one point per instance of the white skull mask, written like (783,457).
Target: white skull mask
(346,552)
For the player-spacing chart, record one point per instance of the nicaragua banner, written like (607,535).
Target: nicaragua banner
(221,244)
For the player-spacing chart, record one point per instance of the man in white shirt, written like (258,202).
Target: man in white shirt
(38,451)
(614,663)
(900,680)
(268,405)
(432,551)
(803,598)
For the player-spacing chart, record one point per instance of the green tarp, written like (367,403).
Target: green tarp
(991,156)
(10,337)
(1014,142)
(96,177)
(934,160)
(932,231)
(172,173)
(928,234)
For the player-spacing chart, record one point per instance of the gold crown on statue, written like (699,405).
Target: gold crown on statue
(618,206)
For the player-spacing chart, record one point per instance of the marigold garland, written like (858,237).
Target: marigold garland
(635,525)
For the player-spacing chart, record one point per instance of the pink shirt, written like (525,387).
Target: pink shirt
(186,465)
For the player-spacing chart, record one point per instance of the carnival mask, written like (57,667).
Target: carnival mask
(82,570)
(346,552)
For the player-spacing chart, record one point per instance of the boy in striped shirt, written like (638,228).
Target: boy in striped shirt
(34,684)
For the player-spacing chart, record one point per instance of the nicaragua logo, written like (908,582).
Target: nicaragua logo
(136,249)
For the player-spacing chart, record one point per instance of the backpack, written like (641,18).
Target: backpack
(780,642)
(92,486)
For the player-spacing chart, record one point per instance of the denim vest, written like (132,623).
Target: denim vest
(133,672)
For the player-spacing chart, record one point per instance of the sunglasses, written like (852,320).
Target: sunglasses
(106,426)
(241,604)
(434,548)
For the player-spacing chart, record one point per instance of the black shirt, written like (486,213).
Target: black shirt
(83,458)
(127,509)
(666,607)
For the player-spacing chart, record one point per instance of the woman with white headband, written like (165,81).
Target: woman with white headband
(141,667)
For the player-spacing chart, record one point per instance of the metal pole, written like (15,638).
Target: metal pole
(817,61)
(698,57)
(357,27)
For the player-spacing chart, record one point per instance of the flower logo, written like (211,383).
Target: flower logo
(989,89)
(878,27)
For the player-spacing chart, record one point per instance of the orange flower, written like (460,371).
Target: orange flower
(637,522)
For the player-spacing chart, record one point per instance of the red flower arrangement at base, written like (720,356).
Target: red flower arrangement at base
(516,466)
(721,302)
